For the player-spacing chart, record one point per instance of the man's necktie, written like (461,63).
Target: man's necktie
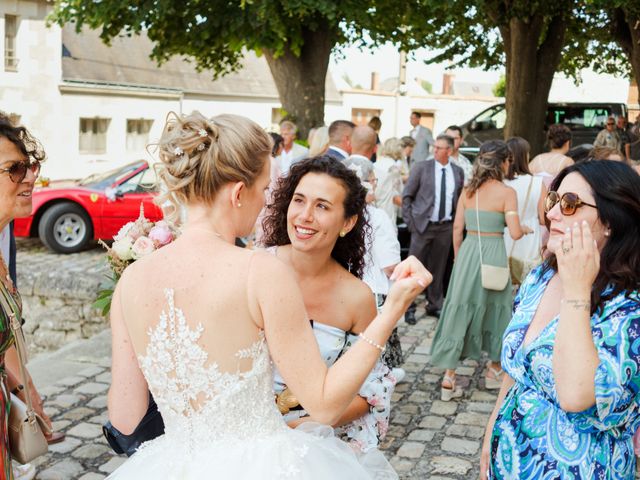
(443,195)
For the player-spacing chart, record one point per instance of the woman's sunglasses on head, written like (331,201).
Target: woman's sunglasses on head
(18,170)
(569,202)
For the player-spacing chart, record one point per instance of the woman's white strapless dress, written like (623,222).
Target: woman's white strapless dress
(226,426)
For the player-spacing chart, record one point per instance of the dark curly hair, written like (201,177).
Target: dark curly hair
(22,139)
(616,189)
(348,251)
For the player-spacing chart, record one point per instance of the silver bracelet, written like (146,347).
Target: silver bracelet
(372,343)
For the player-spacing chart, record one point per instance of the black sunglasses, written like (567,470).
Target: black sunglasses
(18,171)
(569,202)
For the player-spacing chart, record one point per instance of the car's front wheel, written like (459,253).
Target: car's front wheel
(65,228)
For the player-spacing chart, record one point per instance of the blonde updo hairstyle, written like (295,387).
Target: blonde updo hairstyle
(199,155)
(391,148)
(488,164)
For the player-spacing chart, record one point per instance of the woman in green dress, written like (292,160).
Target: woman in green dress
(474,318)
(20,156)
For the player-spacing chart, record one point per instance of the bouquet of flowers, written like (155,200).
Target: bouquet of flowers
(134,240)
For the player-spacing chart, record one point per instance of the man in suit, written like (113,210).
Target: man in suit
(292,152)
(423,138)
(340,139)
(363,146)
(429,204)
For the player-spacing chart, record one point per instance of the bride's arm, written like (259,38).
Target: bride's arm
(324,393)
(128,395)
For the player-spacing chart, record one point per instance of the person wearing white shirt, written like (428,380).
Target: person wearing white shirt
(428,206)
(455,132)
(382,256)
(389,188)
(291,152)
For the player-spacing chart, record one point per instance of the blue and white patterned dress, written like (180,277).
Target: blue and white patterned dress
(532,436)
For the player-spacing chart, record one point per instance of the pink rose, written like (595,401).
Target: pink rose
(161,234)
(141,247)
(130,230)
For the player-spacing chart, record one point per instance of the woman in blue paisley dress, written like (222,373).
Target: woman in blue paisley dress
(569,406)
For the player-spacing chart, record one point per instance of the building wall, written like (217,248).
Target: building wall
(32,90)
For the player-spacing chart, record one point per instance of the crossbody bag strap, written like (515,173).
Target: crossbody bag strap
(16,328)
(524,209)
(478,227)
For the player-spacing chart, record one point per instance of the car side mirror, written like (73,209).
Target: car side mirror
(473,126)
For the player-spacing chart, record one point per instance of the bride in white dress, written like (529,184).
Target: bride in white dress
(200,321)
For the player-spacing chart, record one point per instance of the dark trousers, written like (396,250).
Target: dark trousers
(432,248)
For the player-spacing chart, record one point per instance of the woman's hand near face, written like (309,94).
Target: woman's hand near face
(578,261)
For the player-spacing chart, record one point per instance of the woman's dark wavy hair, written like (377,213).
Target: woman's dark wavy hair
(22,139)
(616,189)
(349,251)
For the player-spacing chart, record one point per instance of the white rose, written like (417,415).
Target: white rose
(142,246)
(122,248)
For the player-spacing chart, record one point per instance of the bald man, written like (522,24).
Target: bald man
(363,146)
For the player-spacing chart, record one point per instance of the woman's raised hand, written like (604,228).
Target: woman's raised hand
(410,278)
(578,261)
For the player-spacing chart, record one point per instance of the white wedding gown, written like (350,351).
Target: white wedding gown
(226,426)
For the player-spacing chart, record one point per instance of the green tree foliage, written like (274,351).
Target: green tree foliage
(296,36)
(500,88)
(530,39)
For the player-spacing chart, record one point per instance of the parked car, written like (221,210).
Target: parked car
(68,215)
(584,119)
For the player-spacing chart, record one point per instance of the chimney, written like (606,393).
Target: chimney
(375,81)
(447,83)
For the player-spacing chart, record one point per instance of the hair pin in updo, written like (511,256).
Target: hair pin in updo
(203,133)
(201,147)
(178,151)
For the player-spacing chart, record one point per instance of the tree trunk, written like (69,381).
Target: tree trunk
(625,29)
(300,80)
(530,67)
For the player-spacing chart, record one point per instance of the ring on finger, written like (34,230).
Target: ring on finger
(565,250)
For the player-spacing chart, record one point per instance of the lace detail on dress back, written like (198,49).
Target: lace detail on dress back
(199,403)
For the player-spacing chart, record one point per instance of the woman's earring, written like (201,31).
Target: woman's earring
(342,233)
(239,204)
(607,233)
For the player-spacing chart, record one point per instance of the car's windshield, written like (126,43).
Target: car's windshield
(102,180)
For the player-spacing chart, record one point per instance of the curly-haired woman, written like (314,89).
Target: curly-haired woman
(317,225)
(570,400)
(473,318)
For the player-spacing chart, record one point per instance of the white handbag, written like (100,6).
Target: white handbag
(493,278)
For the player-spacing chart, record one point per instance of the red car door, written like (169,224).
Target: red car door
(123,202)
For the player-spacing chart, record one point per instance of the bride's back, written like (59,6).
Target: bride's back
(206,279)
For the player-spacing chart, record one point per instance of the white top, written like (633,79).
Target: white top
(528,247)
(5,243)
(389,186)
(450,187)
(384,251)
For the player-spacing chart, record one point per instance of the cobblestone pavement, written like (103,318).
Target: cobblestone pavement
(427,438)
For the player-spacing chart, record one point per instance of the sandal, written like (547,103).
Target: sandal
(447,394)
(54,437)
(494,382)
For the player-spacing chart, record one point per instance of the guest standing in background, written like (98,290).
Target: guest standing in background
(423,138)
(531,193)
(429,202)
(340,139)
(473,317)
(291,152)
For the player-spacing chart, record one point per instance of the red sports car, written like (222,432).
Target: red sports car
(67,215)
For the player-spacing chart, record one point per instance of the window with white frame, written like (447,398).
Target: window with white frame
(93,135)
(138,134)
(10,33)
